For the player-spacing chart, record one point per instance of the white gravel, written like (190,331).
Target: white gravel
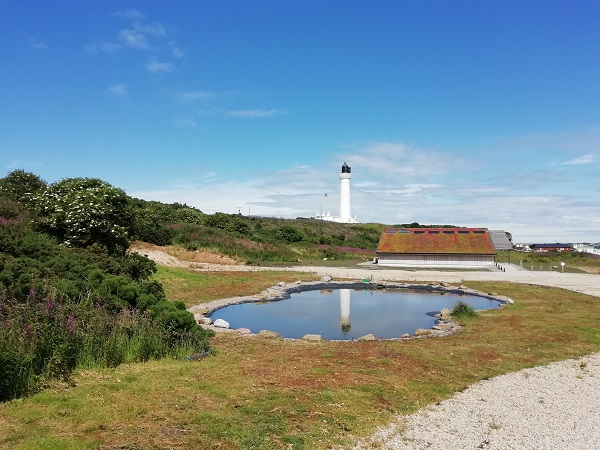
(551,407)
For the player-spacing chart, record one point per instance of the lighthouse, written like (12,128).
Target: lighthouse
(345,216)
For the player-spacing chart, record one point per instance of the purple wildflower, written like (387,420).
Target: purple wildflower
(71,323)
(49,303)
(31,293)
(27,330)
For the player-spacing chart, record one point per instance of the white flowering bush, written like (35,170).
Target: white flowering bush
(85,211)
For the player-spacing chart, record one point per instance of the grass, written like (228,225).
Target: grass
(259,393)
(194,287)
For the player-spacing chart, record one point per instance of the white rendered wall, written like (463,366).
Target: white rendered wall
(345,197)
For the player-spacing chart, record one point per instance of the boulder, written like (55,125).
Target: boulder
(443,326)
(423,332)
(367,337)
(220,323)
(445,314)
(269,333)
(405,336)
(206,321)
(199,318)
(281,284)
(201,310)
(325,278)
(244,331)
(312,337)
(443,283)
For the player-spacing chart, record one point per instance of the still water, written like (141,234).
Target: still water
(347,313)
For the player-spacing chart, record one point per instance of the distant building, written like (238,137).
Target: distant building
(594,249)
(436,247)
(551,247)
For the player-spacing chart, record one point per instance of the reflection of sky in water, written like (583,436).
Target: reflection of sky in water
(384,313)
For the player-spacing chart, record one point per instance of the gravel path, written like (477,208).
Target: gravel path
(551,407)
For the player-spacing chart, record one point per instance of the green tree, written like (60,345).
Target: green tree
(21,186)
(85,211)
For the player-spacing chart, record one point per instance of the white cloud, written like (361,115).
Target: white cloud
(177,52)
(104,47)
(193,96)
(36,44)
(155,66)
(117,90)
(130,14)
(400,161)
(156,30)
(133,39)
(254,113)
(585,159)
(186,122)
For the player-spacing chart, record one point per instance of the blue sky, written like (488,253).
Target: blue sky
(456,112)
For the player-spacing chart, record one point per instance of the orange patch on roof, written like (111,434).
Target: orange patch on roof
(436,240)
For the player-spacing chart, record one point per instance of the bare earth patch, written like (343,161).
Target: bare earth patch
(171,256)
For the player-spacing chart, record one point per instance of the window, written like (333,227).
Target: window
(434,232)
(448,232)
(479,232)
(418,232)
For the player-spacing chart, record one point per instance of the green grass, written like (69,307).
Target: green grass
(260,393)
(194,287)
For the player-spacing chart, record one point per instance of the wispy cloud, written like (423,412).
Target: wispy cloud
(104,47)
(130,14)
(186,122)
(36,44)
(393,160)
(585,159)
(155,66)
(254,113)
(117,90)
(193,96)
(133,39)
(177,52)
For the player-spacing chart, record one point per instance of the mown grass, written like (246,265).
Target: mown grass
(258,393)
(193,287)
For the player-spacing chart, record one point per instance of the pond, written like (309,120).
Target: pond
(345,314)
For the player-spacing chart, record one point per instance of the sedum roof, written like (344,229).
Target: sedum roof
(436,240)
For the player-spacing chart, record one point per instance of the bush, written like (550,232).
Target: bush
(463,311)
(289,234)
(85,211)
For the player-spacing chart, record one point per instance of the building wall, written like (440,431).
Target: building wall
(436,260)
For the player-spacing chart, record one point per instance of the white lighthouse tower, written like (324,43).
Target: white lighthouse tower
(345,216)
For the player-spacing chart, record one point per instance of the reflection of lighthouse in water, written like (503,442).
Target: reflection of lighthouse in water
(345,310)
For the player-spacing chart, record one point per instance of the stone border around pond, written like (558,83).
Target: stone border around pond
(282,291)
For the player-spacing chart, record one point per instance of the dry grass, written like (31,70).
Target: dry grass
(258,393)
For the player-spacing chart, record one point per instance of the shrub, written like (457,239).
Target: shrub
(463,311)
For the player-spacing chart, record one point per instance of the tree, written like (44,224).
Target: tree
(21,186)
(85,211)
